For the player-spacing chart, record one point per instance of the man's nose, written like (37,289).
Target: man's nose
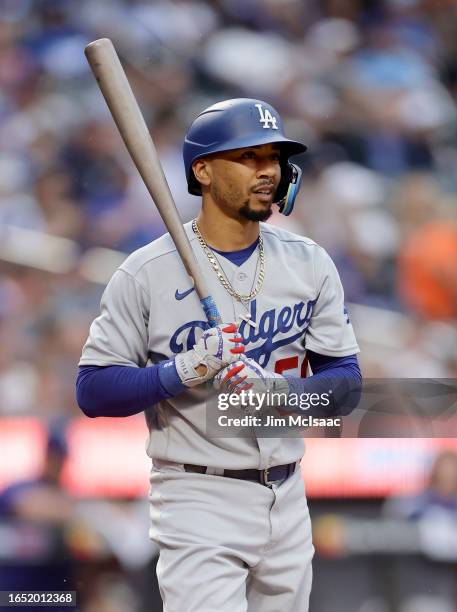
(267,167)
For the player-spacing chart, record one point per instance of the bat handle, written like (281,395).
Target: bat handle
(211,311)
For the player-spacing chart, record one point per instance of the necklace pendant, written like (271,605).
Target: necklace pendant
(247,319)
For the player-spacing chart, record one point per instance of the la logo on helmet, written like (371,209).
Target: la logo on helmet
(266,118)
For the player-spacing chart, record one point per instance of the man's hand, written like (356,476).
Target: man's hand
(246,375)
(218,347)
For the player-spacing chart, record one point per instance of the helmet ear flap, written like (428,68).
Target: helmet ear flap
(288,187)
(286,177)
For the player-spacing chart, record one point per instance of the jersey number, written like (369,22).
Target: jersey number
(290,363)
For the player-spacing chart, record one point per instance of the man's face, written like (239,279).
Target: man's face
(243,182)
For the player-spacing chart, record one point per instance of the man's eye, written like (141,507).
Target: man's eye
(275,157)
(248,155)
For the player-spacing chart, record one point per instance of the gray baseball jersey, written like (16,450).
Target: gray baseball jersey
(149,313)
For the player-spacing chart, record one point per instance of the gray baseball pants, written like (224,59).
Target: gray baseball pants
(230,545)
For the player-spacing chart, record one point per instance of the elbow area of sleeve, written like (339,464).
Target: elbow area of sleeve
(351,398)
(339,376)
(88,403)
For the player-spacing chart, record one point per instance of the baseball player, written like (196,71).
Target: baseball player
(228,513)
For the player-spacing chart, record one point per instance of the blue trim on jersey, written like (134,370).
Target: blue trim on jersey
(341,375)
(239,257)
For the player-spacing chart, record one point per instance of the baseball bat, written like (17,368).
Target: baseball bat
(116,90)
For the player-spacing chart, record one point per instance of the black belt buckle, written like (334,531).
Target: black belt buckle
(264,475)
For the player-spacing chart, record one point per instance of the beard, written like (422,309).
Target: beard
(254,215)
(225,198)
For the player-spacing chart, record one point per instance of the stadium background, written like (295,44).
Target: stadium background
(370,86)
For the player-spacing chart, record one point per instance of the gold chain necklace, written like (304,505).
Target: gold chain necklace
(221,274)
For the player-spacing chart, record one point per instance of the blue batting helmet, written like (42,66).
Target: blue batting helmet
(240,123)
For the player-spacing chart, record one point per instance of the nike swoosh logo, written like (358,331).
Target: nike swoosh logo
(181,296)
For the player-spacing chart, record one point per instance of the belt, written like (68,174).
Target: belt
(267,477)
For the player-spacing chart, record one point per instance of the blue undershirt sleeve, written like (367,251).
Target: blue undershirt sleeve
(340,377)
(120,391)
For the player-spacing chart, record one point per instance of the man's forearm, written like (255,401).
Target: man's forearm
(120,391)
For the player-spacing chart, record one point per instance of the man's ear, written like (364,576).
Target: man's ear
(202,171)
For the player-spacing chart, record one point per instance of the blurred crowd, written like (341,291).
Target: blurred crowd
(369,85)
